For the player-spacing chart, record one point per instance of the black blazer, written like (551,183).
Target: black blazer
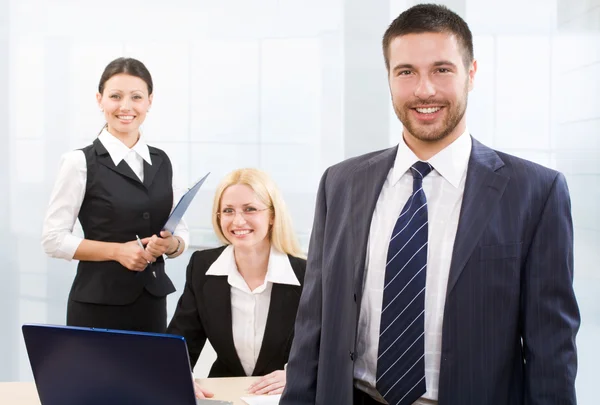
(204,312)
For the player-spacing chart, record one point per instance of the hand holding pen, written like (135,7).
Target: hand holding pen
(139,241)
(133,256)
(145,251)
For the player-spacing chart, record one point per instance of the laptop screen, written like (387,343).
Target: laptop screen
(75,366)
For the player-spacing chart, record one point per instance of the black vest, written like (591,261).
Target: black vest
(116,208)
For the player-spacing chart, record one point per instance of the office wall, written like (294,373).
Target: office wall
(291,87)
(576,142)
(8,319)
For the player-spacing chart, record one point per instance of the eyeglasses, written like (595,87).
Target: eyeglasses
(246,213)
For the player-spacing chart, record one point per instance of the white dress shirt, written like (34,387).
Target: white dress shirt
(67,196)
(249,309)
(444,188)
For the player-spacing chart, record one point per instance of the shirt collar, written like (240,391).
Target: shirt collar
(279,270)
(451,162)
(118,150)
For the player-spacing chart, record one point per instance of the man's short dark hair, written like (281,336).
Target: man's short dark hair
(424,18)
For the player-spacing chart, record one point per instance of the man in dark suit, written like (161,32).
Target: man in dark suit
(440,270)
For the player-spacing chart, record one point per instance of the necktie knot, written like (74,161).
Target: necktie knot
(420,169)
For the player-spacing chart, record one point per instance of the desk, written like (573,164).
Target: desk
(18,393)
(227,389)
(230,389)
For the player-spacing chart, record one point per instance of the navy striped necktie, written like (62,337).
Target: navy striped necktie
(401,355)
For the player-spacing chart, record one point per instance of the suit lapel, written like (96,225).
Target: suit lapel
(280,324)
(104,159)
(151,170)
(483,190)
(366,183)
(218,307)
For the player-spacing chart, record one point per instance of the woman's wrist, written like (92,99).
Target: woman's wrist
(177,247)
(114,251)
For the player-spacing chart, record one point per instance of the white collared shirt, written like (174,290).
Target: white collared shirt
(67,196)
(134,157)
(250,309)
(444,188)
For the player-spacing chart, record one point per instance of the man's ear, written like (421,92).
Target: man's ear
(472,71)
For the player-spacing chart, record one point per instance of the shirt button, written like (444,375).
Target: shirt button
(146,215)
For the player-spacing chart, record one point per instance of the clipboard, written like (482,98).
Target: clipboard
(182,206)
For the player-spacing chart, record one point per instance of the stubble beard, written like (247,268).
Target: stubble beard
(433,133)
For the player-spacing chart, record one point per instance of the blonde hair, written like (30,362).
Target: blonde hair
(281,235)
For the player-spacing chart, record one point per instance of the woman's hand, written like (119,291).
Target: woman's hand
(201,392)
(270,384)
(160,245)
(133,257)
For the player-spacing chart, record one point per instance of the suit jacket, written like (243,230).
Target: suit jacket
(204,312)
(510,315)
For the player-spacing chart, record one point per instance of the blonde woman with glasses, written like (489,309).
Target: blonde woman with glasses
(243,296)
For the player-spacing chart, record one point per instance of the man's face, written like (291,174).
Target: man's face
(429,84)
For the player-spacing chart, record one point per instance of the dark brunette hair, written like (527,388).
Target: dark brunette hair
(424,18)
(129,66)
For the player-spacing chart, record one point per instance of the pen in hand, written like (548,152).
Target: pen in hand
(142,246)
(140,243)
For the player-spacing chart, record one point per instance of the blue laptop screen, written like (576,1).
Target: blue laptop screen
(84,366)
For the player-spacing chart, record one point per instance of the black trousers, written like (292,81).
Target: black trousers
(146,314)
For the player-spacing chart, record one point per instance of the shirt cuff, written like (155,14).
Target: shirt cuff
(68,247)
(184,234)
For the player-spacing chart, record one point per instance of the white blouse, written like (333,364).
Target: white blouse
(249,309)
(67,196)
